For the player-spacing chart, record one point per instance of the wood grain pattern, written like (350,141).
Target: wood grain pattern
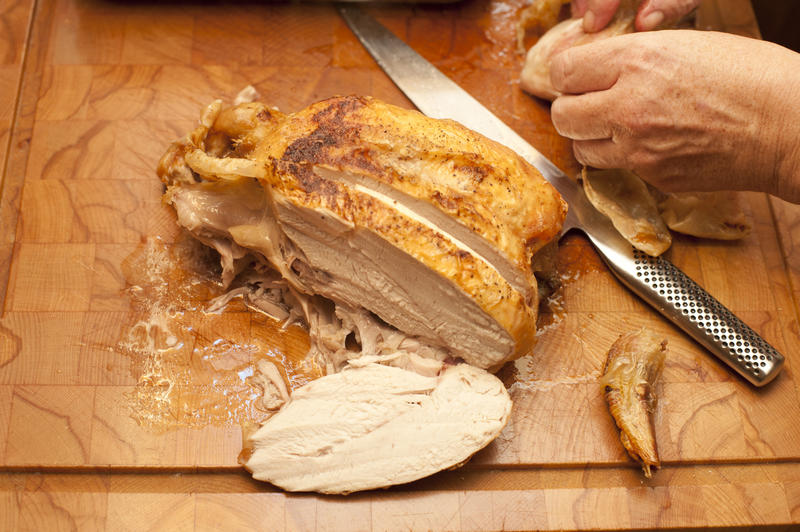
(169,511)
(14,17)
(15,159)
(50,425)
(93,91)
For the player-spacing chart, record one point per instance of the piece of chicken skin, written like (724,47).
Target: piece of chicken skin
(634,363)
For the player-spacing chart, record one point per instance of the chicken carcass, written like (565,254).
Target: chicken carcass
(413,238)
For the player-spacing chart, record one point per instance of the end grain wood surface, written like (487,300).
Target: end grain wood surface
(92,92)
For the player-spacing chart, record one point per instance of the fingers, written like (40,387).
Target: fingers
(603,153)
(598,13)
(586,68)
(653,13)
(581,117)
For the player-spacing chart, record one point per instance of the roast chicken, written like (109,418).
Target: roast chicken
(400,240)
(424,223)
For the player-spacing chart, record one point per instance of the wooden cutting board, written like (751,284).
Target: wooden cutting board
(110,367)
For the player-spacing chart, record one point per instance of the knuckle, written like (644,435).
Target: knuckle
(560,70)
(637,121)
(625,129)
(646,54)
(589,153)
(633,125)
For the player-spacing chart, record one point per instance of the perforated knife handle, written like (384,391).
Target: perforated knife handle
(698,313)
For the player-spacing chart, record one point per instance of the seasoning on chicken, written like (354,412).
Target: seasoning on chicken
(634,364)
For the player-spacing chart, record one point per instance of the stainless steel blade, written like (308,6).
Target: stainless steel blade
(656,280)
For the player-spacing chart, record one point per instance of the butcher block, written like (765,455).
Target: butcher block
(122,397)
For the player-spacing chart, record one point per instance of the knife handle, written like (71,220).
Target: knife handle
(698,313)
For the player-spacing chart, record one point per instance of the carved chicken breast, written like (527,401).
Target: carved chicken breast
(424,223)
(372,426)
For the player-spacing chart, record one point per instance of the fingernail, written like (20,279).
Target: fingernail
(588,21)
(652,20)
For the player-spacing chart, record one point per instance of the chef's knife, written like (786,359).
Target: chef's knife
(654,279)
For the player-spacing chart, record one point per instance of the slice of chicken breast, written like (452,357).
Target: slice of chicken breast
(376,426)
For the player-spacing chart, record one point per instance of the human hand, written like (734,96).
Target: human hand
(651,13)
(685,110)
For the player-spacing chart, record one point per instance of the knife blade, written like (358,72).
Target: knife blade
(654,279)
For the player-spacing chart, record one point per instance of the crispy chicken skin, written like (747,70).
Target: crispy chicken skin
(634,363)
(473,179)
